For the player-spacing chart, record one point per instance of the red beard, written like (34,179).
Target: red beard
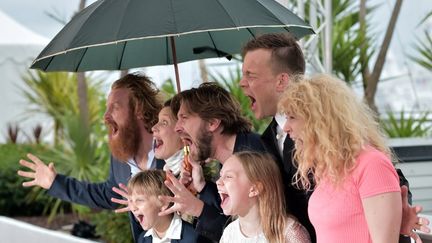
(124,145)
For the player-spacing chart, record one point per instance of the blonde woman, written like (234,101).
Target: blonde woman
(250,187)
(340,149)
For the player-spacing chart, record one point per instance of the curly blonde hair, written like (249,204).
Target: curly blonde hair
(337,126)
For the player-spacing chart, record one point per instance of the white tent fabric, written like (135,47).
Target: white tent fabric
(14,231)
(15,33)
(18,47)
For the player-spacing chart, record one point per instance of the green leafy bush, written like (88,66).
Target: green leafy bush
(112,227)
(15,200)
(406,125)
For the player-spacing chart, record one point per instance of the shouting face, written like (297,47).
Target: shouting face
(194,132)
(122,124)
(259,83)
(235,189)
(167,141)
(145,208)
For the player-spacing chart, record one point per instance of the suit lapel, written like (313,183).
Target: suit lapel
(269,139)
(288,155)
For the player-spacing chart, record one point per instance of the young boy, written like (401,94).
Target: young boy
(144,189)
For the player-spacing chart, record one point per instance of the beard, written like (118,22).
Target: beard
(124,145)
(204,141)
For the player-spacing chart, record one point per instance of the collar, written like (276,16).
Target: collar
(173,232)
(134,166)
(174,162)
(280,120)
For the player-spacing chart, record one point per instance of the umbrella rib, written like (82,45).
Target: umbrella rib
(122,55)
(252,34)
(173,16)
(285,28)
(214,44)
(50,60)
(119,29)
(81,59)
(228,14)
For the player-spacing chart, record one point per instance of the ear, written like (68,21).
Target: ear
(138,114)
(164,206)
(282,82)
(255,190)
(213,124)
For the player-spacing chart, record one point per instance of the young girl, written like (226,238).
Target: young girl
(340,149)
(250,187)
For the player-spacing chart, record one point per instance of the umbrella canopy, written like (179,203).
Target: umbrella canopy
(123,34)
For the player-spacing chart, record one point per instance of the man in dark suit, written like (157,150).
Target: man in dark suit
(265,76)
(269,62)
(210,122)
(132,110)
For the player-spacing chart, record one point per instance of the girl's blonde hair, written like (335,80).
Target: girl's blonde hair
(337,126)
(263,172)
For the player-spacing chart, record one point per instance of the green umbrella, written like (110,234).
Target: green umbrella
(124,34)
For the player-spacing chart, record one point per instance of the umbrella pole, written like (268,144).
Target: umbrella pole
(174,54)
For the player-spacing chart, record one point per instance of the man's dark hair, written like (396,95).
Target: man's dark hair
(211,101)
(144,97)
(287,55)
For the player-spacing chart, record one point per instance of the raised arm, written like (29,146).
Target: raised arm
(95,195)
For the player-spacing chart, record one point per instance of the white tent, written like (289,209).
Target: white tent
(18,47)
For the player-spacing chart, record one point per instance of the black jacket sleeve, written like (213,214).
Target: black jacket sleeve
(212,221)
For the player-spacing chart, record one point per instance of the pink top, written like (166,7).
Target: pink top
(337,213)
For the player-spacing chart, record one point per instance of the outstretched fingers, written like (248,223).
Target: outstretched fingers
(168,200)
(29,183)
(122,210)
(26,174)
(121,190)
(423,223)
(27,164)
(416,237)
(35,159)
(174,184)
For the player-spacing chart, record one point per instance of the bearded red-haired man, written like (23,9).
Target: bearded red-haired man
(132,110)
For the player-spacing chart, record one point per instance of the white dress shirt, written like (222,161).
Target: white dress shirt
(151,163)
(281,135)
(173,232)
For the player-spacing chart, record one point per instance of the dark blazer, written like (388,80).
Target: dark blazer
(188,235)
(97,195)
(212,221)
(296,200)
